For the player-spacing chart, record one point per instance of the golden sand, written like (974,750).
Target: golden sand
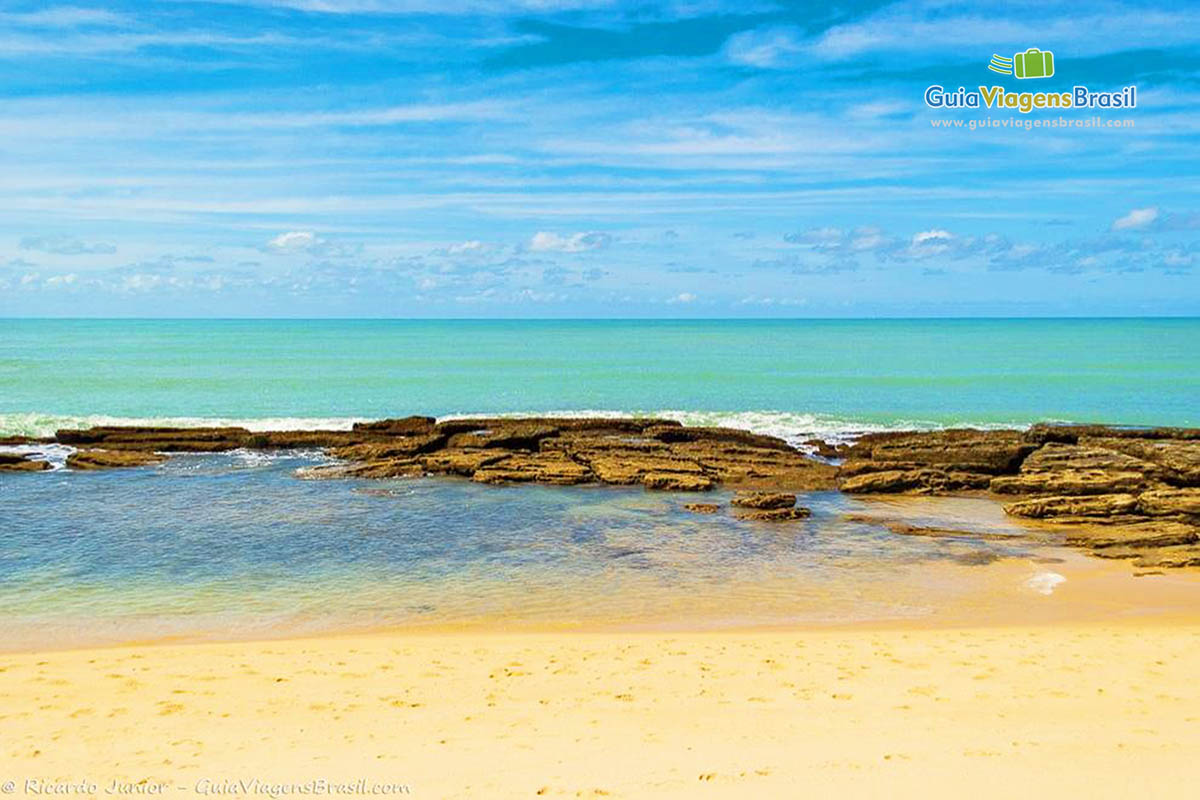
(1071,710)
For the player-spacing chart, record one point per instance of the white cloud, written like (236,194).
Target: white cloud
(294,240)
(683,297)
(64,17)
(764,48)
(546,242)
(66,245)
(1137,218)
(910,26)
(935,235)
(456,7)
(868,238)
(1177,258)
(473,246)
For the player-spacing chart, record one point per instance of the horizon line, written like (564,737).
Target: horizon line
(947,318)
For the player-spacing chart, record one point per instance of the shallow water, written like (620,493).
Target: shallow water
(234,545)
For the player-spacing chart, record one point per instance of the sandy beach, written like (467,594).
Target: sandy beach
(1074,709)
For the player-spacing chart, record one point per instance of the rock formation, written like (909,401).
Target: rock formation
(1119,492)
(12,462)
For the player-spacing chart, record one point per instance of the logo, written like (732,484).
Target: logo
(1033,63)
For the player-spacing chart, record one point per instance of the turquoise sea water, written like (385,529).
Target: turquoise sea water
(790,376)
(237,545)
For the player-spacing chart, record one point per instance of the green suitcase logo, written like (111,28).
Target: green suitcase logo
(1033,63)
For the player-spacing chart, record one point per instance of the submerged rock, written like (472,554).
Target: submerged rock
(1156,533)
(112,459)
(1173,557)
(775,514)
(702,508)
(764,500)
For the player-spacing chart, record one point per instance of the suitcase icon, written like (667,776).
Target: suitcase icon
(1033,63)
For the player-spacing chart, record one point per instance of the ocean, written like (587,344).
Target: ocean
(795,378)
(236,545)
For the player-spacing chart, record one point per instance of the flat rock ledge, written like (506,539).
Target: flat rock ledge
(12,462)
(1119,492)
(658,454)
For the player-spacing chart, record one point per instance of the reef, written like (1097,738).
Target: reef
(1119,492)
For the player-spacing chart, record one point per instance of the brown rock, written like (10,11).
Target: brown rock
(775,514)
(1177,461)
(405,426)
(277,440)
(505,437)
(460,462)
(1087,456)
(1072,434)
(630,468)
(652,452)
(678,433)
(1164,502)
(548,467)
(956,450)
(387,468)
(1062,469)
(764,500)
(1158,533)
(824,449)
(907,529)
(112,459)
(677,482)
(1071,481)
(14,462)
(18,440)
(1174,557)
(195,440)
(1103,505)
(588,425)
(702,508)
(1169,557)
(398,447)
(754,467)
(857,466)
(924,481)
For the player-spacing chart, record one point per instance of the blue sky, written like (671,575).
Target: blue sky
(541,159)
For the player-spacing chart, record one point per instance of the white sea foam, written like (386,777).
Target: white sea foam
(1045,582)
(41,425)
(793,427)
(56,454)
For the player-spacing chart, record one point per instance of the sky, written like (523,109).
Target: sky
(591,158)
